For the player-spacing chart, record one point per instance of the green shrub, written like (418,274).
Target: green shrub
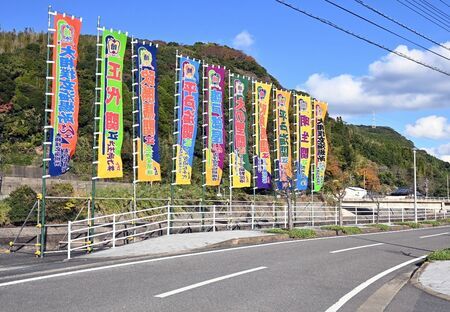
(410,224)
(350,230)
(432,222)
(381,227)
(62,210)
(20,201)
(4,213)
(277,231)
(302,233)
(442,254)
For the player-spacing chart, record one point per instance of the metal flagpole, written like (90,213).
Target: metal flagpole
(296,152)
(276,161)
(47,110)
(205,124)
(255,129)
(313,150)
(95,148)
(230,135)
(175,127)
(136,122)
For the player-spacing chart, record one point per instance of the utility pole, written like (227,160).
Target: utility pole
(415,186)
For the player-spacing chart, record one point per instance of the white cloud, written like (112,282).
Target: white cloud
(243,40)
(430,127)
(392,83)
(442,152)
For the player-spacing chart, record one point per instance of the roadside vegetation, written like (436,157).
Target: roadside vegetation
(441,254)
(294,233)
(349,230)
(410,224)
(380,226)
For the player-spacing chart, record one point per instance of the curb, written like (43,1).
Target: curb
(417,284)
(251,240)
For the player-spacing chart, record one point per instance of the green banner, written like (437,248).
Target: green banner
(111,106)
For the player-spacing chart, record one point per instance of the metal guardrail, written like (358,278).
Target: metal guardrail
(122,228)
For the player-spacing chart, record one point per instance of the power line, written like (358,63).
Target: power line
(445,3)
(435,9)
(329,23)
(414,10)
(425,9)
(400,24)
(385,29)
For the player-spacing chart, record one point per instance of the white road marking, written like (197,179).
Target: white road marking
(117,265)
(210,281)
(426,236)
(335,307)
(358,247)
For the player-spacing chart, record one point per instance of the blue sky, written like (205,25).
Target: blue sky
(354,77)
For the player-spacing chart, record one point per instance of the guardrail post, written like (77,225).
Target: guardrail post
(168,219)
(373,216)
(356,215)
(403,213)
(312,214)
(285,216)
(425,212)
(253,216)
(274,217)
(69,238)
(335,215)
(114,232)
(435,217)
(389,216)
(214,218)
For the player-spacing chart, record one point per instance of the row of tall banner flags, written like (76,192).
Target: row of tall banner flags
(291,166)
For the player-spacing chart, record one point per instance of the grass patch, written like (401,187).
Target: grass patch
(302,233)
(294,233)
(277,231)
(442,254)
(381,227)
(432,222)
(410,224)
(350,230)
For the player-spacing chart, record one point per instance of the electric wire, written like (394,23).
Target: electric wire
(426,17)
(428,11)
(385,29)
(445,3)
(433,8)
(401,24)
(329,23)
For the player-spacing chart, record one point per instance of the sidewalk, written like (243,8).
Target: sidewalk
(435,278)
(175,243)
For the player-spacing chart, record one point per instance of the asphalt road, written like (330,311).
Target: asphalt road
(310,275)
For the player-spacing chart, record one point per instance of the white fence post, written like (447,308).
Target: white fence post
(389,216)
(285,216)
(69,238)
(274,218)
(168,219)
(253,216)
(425,212)
(335,215)
(435,216)
(312,214)
(403,213)
(356,215)
(373,216)
(114,232)
(214,218)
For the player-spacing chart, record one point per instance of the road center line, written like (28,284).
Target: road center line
(426,236)
(335,307)
(358,247)
(210,281)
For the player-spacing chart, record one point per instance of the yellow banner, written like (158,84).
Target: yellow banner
(263,165)
(284,157)
(303,138)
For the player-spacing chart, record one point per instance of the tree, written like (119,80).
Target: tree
(337,189)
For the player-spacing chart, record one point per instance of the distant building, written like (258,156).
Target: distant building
(354,192)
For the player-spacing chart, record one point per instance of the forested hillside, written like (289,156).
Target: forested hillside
(380,157)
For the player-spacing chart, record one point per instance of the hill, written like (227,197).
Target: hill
(371,155)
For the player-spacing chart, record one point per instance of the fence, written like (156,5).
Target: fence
(123,228)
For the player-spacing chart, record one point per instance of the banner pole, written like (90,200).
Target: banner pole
(230,136)
(296,152)
(255,129)
(313,150)
(204,134)
(276,162)
(47,110)
(175,128)
(135,125)
(95,138)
